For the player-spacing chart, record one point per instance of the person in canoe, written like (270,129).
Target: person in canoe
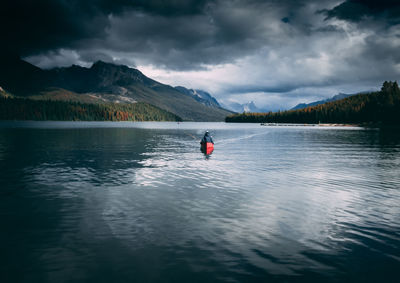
(207,138)
(207,144)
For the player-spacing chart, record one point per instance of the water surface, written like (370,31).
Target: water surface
(139,202)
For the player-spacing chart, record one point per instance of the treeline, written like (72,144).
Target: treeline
(376,107)
(28,109)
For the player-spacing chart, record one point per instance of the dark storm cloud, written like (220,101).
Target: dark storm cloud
(29,26)
(220,33)
(246,46)
(216,30)
(178,34)
(359,10)
(159,7)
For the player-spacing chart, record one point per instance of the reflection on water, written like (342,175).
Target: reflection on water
(111,202)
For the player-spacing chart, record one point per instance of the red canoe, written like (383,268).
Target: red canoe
(207,147)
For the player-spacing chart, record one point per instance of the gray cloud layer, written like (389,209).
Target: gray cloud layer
(274,46)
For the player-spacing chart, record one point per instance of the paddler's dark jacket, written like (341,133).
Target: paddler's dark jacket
(207,138)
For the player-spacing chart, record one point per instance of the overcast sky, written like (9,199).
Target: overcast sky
(276,53)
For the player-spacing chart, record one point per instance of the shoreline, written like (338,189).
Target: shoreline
(310,125)
(363,125)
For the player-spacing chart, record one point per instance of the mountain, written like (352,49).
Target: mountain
(334,98)
(102,83)
(200,95)
(241,108)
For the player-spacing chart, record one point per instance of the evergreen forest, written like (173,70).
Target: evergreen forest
(377,107)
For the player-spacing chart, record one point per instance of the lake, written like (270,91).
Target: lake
(139,202)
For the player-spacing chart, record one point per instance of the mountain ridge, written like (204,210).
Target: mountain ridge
(319,102)
(200,95)
(103,81)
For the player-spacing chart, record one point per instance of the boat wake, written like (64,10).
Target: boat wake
(233,140)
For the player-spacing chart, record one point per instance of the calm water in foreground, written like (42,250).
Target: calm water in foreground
(139,202)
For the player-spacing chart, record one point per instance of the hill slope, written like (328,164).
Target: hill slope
(102,82)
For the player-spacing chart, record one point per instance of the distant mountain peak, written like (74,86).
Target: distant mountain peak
(100,62)
(103,64)
(99,65)
(199,95)
(250,107)
(123,70)
(247,107)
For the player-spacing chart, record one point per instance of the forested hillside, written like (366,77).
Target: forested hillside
(376,107)
(28,109)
